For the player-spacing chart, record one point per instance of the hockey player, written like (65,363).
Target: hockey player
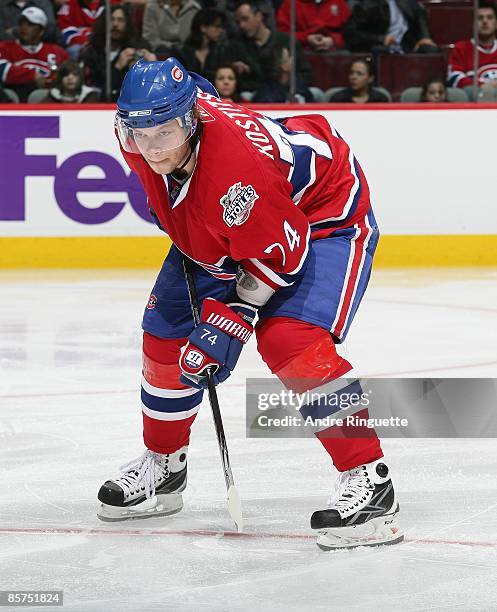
(276,217)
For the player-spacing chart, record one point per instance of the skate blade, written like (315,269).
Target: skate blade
(159,505)
(383,531)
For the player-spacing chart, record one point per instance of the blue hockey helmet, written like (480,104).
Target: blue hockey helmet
(156,94)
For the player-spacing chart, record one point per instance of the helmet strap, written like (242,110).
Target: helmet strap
(178,173)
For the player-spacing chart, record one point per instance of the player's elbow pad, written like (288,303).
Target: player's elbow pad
(251,289)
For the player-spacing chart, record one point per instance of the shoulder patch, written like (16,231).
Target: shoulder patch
(238,203)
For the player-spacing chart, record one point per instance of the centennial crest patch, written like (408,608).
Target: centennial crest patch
(238,203)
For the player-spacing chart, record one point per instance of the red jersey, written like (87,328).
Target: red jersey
(75,20)
(461,64)
(327,18)
(260,190)
(21,64)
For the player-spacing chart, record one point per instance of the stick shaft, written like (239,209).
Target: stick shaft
(213,399)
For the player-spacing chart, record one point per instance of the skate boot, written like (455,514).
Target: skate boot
(362,510)
(148,486)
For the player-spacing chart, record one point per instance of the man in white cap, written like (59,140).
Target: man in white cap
(29,63)
(9,16)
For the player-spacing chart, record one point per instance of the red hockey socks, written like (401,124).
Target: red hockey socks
(168,406)
(304,357)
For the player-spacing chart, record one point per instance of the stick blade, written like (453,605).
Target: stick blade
(235,507)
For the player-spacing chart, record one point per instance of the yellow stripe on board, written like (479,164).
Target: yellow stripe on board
(149,252)
(84,252)
(427,251)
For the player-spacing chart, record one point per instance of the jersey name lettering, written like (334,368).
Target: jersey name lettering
(252,129)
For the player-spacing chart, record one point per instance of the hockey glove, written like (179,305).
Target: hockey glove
(216,343)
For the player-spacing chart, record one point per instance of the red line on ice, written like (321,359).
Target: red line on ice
(235,384)
(206,532)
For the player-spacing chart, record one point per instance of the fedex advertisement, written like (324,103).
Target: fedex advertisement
(62,174)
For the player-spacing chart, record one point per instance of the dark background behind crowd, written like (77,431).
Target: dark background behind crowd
(347,51)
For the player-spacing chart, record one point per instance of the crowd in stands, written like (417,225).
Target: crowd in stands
(346,51)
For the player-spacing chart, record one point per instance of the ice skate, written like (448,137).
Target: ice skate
(148,486)
(362,510)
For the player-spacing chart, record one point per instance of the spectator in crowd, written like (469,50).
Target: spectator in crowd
(389,26)
(69,87)
(226,83)
(167,23)
(434,90)
(228,7)
(126,48)
(461,56)
(9,16)
(319,23)
(75,19)
(261,41)
(277,88)
(360,89)
(206,49)
(29,63)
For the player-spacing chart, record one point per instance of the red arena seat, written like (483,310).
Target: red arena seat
(331,70)
(398,72)
(449,23)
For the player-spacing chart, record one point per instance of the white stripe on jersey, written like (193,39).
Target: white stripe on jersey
(347,276)
(359,271)
(304,255)
(164,178)
(184,189)
(273,276)
(169,416)
(6,69)
(167,393)
(352,194)
(458,76)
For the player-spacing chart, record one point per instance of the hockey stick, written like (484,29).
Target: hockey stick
(234,502)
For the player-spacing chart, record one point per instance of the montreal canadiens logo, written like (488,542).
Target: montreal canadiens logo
(238,203)
(194,359)
(177,74)
(488,73)
(152,301)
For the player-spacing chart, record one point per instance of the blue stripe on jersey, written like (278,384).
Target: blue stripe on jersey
(166,404)
(69,33)
(302,157)
(289,279)
(3,66)
(329,404)
(227,271)
(328,224)
(301,176)
(455,77)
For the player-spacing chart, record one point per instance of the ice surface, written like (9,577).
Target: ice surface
(69,416)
